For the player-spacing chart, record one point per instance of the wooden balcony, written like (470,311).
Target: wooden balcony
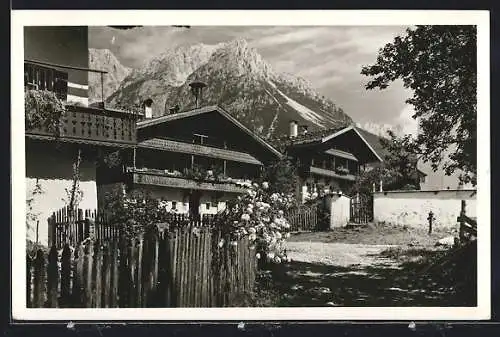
(330,173)
(146,177)
(196,149)
(93,126)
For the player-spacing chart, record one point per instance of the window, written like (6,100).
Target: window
(207,205)
(174,204)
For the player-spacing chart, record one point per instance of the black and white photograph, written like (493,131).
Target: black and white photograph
(307,165)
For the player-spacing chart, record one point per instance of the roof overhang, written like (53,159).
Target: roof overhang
(342,154)
(352,128)
(203,110)
(328,138)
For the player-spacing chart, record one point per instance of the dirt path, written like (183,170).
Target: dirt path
(339,272)
(339,254)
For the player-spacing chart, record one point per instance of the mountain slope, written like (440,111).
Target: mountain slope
(104,59)
(238,79)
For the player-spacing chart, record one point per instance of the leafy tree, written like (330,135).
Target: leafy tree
(398,171)
(281,176)
(43,109)
(390,178)
(439,64)
(401,158)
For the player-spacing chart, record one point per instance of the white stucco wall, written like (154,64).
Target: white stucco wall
(52,166)
(51,200)
(339,207)
(180,197)
(411,208)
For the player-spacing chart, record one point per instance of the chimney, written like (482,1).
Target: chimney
(148,109)
(293,129)
(303,129)
(197,90)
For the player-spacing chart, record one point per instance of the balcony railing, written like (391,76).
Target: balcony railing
(40,77)
(153,177)
(92,125)
(330,173)
(203,150)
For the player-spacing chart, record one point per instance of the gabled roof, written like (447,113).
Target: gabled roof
(374,141)
(319,137)
(204,110)
(281,142)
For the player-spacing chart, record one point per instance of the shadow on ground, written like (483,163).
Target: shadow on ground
(420,278)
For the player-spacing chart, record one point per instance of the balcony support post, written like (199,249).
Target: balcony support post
(134,157)
(102,90)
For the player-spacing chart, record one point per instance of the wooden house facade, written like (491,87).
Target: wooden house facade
(194,160)
(330,160)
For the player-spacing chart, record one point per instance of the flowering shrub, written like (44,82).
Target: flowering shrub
(259,217)
(342,170)
(43,109)
(135,212)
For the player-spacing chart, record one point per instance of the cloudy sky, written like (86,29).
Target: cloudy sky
(329,57)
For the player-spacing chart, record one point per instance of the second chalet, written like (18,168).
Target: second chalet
(331,160)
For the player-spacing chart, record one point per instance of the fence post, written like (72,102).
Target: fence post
(29,303)
(114,273)
(51,229)
(52,277)
(76,286)
(97,278)
(139,277)
(65,275)
(87,271)
(39,289)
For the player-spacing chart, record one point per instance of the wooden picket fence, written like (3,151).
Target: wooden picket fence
(183,267)
(303,218)
(73,227)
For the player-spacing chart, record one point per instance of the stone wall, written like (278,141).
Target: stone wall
(411,208)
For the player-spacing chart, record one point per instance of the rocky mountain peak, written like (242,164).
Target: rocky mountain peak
(239,58)
(104,59)
(238,79)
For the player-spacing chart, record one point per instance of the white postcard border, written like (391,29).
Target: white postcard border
(242,18)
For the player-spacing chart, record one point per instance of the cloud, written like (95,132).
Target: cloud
(329,57)
(406,122)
